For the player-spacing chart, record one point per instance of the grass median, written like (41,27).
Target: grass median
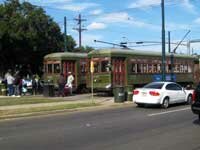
(10,101)
(13,113)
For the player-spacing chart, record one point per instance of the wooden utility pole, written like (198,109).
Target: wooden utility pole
(65,34)
(79,29)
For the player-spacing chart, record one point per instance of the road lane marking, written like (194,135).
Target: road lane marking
(167,112)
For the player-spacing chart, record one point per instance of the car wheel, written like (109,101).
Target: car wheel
(165,103)
(189,99)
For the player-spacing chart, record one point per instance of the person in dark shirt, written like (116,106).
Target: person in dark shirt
(61,85)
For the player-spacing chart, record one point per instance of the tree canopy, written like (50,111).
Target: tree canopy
(27,34)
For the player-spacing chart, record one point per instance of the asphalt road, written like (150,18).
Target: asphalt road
(129,128)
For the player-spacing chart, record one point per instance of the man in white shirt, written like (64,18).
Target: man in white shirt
(10,80)
(70,80)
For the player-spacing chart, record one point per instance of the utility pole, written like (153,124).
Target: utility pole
(169,41)
(171,56)
(163,40)
(79,29)
(65,34)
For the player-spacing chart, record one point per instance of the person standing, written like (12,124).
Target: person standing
(10,80)
(70,80)
(34,85)
(61,85)
(17,85)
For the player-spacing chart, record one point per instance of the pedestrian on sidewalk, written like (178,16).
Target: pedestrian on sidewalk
(17,85)
(70,80)
(10,80)
(61,85)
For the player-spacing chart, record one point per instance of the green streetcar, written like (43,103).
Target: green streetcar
(132,68)
(119,67)
(64,62)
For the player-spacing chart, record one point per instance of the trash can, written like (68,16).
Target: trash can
(119,94)
(3,89)
(129,92)
(48,90)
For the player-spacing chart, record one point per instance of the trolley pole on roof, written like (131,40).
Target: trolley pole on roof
(163,40)
(172,55)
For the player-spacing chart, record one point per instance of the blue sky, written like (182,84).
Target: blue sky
(127,20)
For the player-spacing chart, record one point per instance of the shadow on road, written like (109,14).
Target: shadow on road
(153,106)
(196,122)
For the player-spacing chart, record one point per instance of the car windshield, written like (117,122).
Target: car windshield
(154,85)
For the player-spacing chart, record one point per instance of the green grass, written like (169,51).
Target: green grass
(25,112)
(27,100)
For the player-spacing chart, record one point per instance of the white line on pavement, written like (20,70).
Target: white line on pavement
(167,112)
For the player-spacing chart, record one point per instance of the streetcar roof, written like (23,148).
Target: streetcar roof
(65,55)
(128,52)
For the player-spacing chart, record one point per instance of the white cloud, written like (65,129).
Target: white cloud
(77,6)
(96,26)
(197,20)
(96,12)
(176,26)
(189,7)
(115,17)
(144,3)
(124,18)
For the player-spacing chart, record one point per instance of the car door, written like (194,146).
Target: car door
(171,92)
(181,93)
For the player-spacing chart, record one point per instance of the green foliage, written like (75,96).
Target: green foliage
(85,49)
(27,34)
(70,42)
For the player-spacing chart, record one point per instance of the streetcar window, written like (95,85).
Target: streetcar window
(96,67)
(105,66)
(155,68)
(150,68)
(139,68)
(159,68)
(134,68)
(186,68)
(49,68)
(56,68)
(181,68)
(83,67)
(145,68)
(189,69)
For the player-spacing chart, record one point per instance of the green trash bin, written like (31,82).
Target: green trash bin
(48,90)
(3,89)
(129,92)
(119,94)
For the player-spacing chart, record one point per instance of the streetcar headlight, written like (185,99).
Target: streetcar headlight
(108,86)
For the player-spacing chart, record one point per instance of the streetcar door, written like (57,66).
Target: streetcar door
(70,66)
(119,72)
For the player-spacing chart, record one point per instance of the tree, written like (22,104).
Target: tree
(71,43)
(27,34)
(83,49)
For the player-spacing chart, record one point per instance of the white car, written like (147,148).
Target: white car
(162,93)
